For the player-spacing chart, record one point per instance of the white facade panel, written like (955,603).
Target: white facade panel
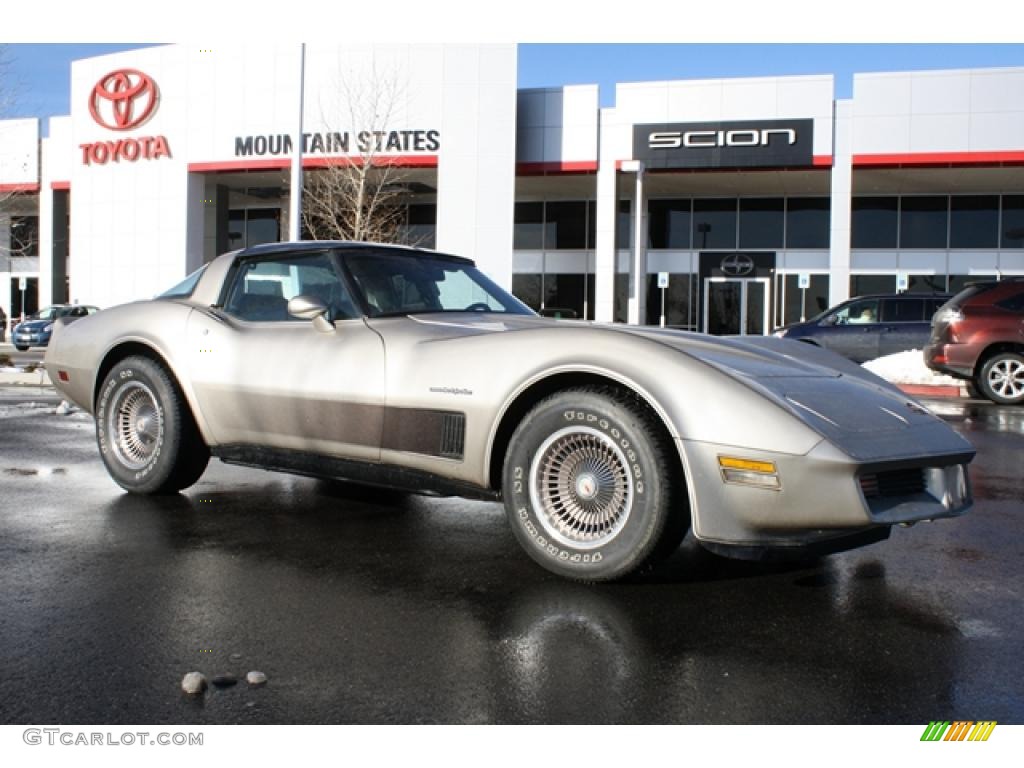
(804,261)
(19,152)
(939,112)
(873,261)
(940,93)
(695,102)
(923,262)
(1011,262)
(1004,131)
(989,89)
(938,133)
(887,134)
(973,263)
(881,95)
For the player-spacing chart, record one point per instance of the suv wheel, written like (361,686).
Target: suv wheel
(1002,378)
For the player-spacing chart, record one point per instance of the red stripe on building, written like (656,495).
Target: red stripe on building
(823,161)
(546,169)
(60,186)
(939,159)
(32,187)
(283,163)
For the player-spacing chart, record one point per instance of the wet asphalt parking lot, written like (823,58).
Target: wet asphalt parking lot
(363,606)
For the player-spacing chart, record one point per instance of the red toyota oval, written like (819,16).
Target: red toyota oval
(123,99)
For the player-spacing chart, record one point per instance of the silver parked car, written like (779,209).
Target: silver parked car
(411,369)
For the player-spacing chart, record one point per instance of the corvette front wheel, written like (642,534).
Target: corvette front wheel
(591,487)
(146,434)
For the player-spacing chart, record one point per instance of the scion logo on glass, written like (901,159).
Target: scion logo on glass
(123,99)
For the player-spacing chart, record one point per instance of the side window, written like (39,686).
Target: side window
(859,312)
(903,310)
(262,288)
(1013,303)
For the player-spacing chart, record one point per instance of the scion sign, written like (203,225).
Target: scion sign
(745,144)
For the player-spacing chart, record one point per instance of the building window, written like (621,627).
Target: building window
(253,226)
(680,301)
(668,224)
(863,285)
(624,226)
(926,283)
(808,221)
(527,288)
(974,221)
(568,292)
(421,227)
(874,222)
(25,236)
(803,304)
(528,228)
(957,283)
(1013,222)
(714,224)
(923,222)
(565,225)
(762,222)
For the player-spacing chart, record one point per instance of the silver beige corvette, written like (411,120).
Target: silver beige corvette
(410,369)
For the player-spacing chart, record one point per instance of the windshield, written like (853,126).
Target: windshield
(399,284)
(185,287)
(50,313)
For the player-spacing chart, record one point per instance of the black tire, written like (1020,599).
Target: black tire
(592,491)
(20,348)
(147,437)
(1002,378)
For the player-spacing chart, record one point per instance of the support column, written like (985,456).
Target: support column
(638,263)
(842,189)
(604,252)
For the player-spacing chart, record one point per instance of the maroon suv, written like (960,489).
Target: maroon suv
(979,335)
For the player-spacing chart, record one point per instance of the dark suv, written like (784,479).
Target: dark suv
(868,327)
(979,335)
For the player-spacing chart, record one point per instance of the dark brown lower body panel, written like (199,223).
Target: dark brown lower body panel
(363,472)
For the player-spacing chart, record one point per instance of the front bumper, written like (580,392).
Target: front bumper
(822,497)
(30,339)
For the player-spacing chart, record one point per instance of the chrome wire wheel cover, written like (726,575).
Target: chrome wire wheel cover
(134,425)
(1006,378)
(581,487)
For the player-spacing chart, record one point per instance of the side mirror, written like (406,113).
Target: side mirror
(830,320)
(311,308)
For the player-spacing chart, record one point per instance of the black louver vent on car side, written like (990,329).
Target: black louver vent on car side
(897,482)
(453,435)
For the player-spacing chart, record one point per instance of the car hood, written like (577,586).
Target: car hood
(865,416)
(33,325)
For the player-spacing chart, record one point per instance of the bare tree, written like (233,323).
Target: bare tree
(23,235)
(359,195)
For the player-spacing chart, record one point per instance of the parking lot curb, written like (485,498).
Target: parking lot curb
(928,390)
(37,378)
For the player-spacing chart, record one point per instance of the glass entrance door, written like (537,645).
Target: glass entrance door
(736,306)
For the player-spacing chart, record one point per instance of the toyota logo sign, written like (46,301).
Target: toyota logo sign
(123,99)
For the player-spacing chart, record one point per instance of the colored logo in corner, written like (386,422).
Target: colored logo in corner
(958,730)
(123,99)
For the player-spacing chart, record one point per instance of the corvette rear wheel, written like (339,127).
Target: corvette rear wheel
(591,488)
(1002,378)
(146,434)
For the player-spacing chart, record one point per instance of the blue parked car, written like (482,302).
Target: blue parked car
(868,327)
(36,330)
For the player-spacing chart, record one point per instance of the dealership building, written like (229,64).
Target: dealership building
(727,206)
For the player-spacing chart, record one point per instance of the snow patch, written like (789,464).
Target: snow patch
(909,368)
